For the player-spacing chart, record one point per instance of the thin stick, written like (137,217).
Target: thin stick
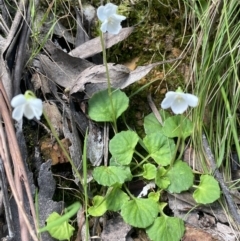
(154,109)
(232,207)
(6,203)
(10,178)
(17,161)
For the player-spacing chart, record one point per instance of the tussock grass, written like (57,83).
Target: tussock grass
(215,47)
(215,62)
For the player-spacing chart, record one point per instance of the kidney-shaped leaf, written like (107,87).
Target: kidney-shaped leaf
(177,126)
(122,146)
(139,212)
(100,107)
(108,176)
(154,196)
(160,147)
(115,199)
(99,206)
(161,180)
(208,190)
(151,124)
(180,176)
(61,232)
(166,228)
(149,171)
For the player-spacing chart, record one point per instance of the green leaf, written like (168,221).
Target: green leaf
(122,146)
(99,206)
(61,232)
(113,162)
(154,196)
(160,148)
(161,180)
(116,199)
(180,176)
(162,205)
(108,176)
(152,125)
(149,171)
(56,222)
(177,126)
(100,108)
(166,228)
(139,212)
(208,190)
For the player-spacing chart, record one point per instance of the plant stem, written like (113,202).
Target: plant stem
(195,186)
(129,193)
(179,141)
(140,163)
(85,183)
(108,81)
(140,155)
(175,153)
(69,212)
(37,211)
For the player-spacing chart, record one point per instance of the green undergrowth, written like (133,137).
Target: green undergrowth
(215,64)
(155,27)
(217,80)
(142,148)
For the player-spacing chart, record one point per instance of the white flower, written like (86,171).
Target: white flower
(26,105)
(179,101)
(111,21)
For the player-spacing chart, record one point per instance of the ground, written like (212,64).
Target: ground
(47,61)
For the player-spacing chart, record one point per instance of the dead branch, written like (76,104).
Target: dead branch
(219,177)
(10,144)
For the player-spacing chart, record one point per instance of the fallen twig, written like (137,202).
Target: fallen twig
(154,109)
(8,145)
(232,207)
(7,209)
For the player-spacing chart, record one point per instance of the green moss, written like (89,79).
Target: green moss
(153,21)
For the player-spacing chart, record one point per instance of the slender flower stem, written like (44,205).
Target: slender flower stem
(175,152)
(182,143)
(85,183)
(108,81)
(180,140)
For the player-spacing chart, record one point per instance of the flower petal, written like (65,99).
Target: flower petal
(110,9)
(104,26)
(114,27)
(179,105)
(33,109)
(29,111)
(18,100)
(114,23)
(168,100)
(192,100)
(36,105)
(17,113)
(101,14)
(118,17)
(104,12)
